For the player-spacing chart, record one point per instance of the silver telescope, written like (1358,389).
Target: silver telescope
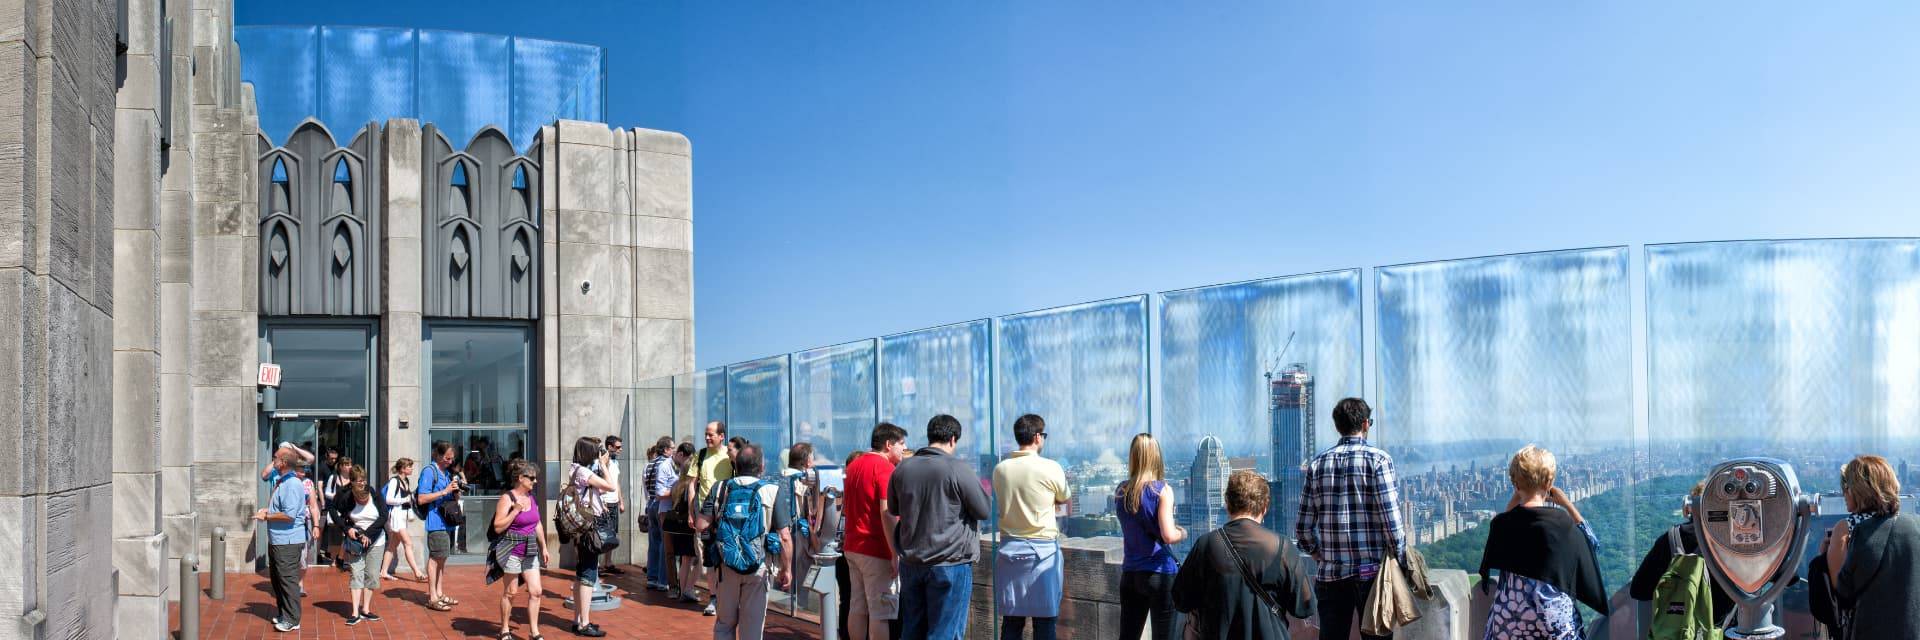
(1752,522)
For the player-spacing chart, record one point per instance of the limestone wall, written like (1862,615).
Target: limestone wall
(57,232)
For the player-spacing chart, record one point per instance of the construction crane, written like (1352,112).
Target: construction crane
(1280,359)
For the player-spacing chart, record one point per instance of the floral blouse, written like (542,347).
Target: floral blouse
(1525,608)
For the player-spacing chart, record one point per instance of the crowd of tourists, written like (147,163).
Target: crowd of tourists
(717,522)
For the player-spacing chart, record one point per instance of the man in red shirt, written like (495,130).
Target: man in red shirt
(868,538)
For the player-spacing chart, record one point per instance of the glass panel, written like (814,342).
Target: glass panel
(1479,357)
(1084,369)
(939,370)
(552,78)
(1805,350)
(833,400)
(323,369)
(1257,367)
(459,81)
(757,407)
(483,454)
(465,83)
(479,375)
(289,93)
(365,75)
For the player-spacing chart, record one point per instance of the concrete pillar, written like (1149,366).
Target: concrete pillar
(178,518)
(57,128)
(400,327)
(225,311)
(587,338)
(139,545)
(661,165)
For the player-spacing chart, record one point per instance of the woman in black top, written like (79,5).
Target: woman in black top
(1241,581)
(1873,556)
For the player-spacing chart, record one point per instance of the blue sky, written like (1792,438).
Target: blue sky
(863,168)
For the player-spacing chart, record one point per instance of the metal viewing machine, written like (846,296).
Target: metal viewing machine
(1753,523)
(821,578)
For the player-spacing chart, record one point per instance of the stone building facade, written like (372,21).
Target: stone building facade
(156,247)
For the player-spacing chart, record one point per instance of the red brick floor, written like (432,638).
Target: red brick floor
(248,607)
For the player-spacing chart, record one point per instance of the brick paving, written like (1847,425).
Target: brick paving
(248,607)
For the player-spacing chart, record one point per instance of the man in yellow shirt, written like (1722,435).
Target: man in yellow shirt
(713,465)
(1026,570)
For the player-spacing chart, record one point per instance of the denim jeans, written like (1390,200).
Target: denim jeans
(934,600)
(656,547)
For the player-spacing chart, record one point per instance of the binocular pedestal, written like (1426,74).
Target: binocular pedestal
(1752,522)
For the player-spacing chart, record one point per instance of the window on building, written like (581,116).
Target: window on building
(479,390)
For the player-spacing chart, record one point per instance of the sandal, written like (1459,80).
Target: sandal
(506,635)
(450,601)
(438,605)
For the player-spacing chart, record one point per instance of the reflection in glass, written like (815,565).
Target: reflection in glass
(1808,350)
(479,374)
(1084,369)
(482,454)
(1254,369)
(833,400)
(1479,357)
(323,368)
(939,370)
(756,400)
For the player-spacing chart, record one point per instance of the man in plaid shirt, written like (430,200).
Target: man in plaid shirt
(1349,518)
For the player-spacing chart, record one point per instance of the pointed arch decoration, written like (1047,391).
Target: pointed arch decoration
(481,228)
(317,215)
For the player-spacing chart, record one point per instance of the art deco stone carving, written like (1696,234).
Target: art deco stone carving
(319,223)
(481,228)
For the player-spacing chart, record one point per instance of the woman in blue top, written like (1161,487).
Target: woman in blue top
(1145,505)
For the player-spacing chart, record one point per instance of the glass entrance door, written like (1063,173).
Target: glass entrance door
(344,437)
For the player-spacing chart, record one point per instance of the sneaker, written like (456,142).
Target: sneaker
(368,616)
(353,620)
(283,628)
(655,586)
(710,611)
(689,598)
(588,631)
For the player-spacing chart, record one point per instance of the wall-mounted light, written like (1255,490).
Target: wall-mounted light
(585,286)
(403,424)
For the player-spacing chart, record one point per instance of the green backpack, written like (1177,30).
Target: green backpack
(1683,601)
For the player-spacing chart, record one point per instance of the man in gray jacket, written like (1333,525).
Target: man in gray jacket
(936,503)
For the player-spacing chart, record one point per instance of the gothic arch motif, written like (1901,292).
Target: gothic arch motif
(317,216)
(481,225)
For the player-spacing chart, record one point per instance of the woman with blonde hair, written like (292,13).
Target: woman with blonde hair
(1873,556)
(1144,503)
(1545,553)
(398,495)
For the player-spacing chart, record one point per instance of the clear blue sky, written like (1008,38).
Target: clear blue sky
(863,168)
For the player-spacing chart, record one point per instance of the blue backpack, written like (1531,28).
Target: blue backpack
(743,533)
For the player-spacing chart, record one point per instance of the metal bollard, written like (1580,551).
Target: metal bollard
(189,598)
(219,552)
(219,564)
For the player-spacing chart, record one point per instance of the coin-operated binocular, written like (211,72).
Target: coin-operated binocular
(1752,523)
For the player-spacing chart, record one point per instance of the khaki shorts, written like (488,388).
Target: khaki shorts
(439,544)
(876,593)
(365,570)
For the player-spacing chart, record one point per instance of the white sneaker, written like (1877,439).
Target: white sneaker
(283,628)
(710,610)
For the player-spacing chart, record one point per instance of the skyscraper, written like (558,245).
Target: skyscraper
(1205,504)
(1290,424)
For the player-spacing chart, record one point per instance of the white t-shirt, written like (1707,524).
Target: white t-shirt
(593,494)
(613,476)
(363,516)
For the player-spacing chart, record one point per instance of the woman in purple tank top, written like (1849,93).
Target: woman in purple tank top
(516,535)
(1145,506)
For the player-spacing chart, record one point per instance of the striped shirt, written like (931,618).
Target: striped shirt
(661,478)
(1348,518)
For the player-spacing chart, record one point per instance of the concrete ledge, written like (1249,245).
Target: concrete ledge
(142,565)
